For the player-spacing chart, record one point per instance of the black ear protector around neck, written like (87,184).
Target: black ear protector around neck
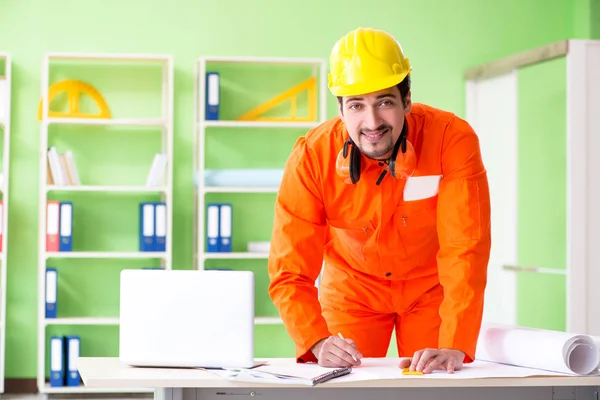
(352,167)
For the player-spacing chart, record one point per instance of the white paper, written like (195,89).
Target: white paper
(374,369)
(388,368)
(596,340)
(539,349)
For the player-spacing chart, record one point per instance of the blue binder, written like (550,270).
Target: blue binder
(160,223)
(57,362)
(66,226)
(72,346)
(51,292)
(147,226)
(212,96)
(225,224)
(212,228)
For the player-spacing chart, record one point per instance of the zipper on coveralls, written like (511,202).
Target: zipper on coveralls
(364,228)
(404,221)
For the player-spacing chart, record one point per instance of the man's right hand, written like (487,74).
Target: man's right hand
(336,352)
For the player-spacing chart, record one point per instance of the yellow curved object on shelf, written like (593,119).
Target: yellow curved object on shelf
(74,89)
(291,94)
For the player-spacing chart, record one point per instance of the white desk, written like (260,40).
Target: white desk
(191,384)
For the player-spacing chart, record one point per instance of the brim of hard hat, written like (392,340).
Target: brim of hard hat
(361,88)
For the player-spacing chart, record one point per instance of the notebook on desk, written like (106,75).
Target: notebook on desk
(278,376)
(187,318)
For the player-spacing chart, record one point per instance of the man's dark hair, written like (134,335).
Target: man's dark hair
(403,87)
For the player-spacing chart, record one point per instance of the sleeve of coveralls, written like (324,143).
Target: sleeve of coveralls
(296,252)
(464,236)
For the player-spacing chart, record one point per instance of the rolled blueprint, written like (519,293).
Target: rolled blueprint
(538,348)
(596,340)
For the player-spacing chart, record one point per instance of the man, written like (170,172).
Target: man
(392,198)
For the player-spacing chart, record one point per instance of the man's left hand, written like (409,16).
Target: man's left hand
(428,360)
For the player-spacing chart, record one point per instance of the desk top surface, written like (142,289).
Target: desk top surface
(110,372)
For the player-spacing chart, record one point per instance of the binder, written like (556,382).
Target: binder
(57,364)
(72,346)
(147,226)
(212,228)
(52,225)
(51,292)
(66,226)
(225,219)
(160,218)
(212,96)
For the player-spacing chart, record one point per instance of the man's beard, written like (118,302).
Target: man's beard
(384,146)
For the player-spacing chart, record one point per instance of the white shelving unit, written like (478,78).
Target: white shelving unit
(162,123)
(5,100)
(201,124)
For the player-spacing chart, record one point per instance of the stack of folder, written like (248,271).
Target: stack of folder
(218,227)
(64,350)
(59,226)
(153,226)
(64,354)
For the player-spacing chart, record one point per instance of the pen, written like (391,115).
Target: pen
(331,375)
(341,337)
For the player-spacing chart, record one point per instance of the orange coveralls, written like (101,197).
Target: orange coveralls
(419,266)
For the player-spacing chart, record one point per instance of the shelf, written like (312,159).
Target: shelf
(115,321)
(82,321)
(105,254)
(154,127)
(240,189)
(268,321)
(108,57)
(258,124)
(106,122)
(235,255)
(6,99)
(262,60)
(97,188)
(84,389)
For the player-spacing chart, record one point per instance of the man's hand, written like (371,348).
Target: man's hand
(428,360)
(336,352)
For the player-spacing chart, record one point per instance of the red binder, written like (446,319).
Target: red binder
(52,225)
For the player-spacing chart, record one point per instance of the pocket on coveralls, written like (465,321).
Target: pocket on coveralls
(416,221)
(353,234)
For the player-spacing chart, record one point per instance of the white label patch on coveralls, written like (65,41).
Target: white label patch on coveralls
(421,187)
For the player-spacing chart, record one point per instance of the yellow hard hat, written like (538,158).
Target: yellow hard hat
(366,60)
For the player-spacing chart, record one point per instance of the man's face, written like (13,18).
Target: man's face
(375,120)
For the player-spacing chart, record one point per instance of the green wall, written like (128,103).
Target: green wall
(439,43)
(585,19)
(542,189)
